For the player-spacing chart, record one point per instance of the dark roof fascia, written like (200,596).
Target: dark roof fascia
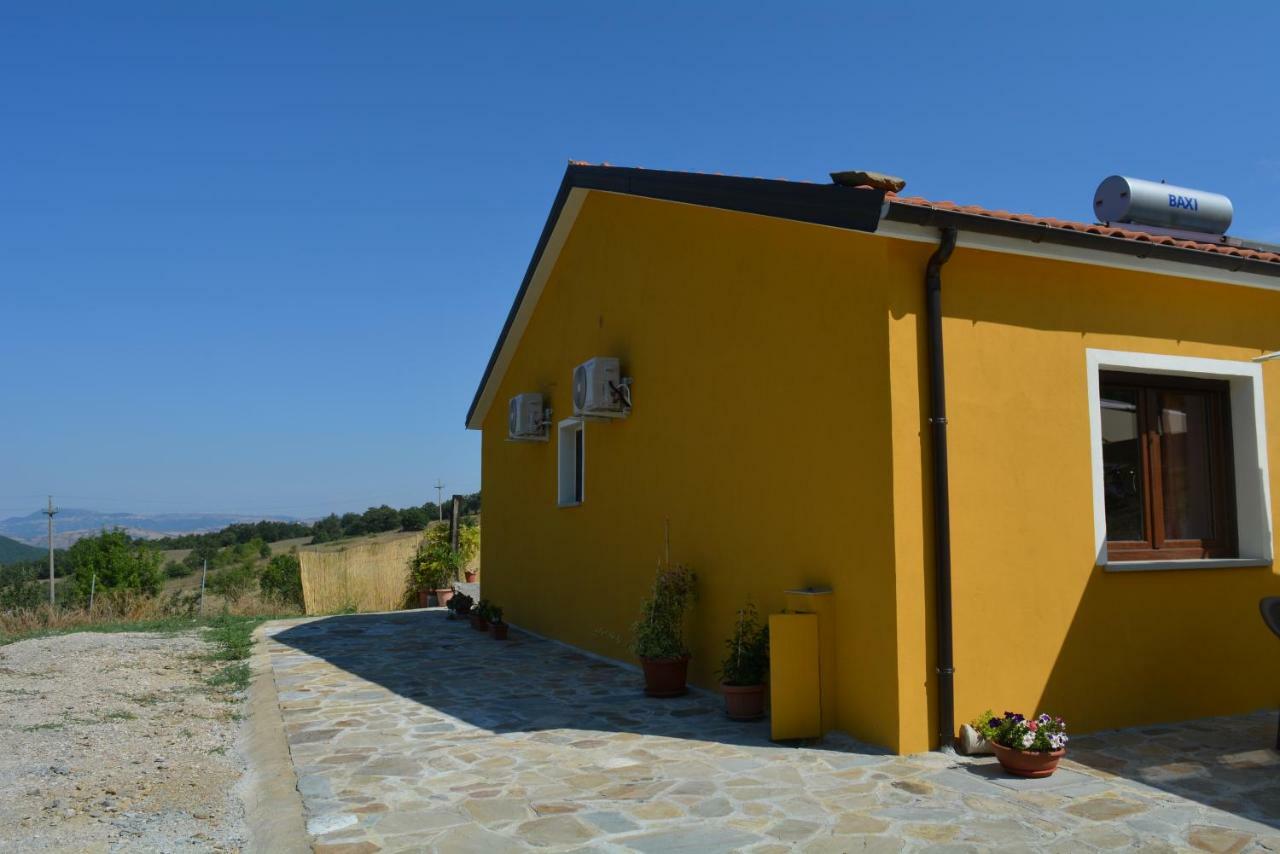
(856,208)
(1037,233)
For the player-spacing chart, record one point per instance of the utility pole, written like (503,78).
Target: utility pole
(50,512)
(203,575)
(440,499)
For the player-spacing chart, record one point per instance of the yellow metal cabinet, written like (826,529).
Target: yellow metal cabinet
(796,707)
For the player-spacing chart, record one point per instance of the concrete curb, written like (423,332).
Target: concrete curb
(269,788)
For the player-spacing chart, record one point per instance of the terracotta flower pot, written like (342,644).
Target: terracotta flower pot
(470,576)
(498,631)
(479,623)
(665,677)
(1028,763)
(743,702)
(443,596)
(424,598)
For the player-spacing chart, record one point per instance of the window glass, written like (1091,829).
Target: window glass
(1184,464)
(1122,463)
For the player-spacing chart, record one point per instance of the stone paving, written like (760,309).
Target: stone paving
(410,732)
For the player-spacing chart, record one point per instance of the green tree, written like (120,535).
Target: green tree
(264,550)
(413,519)
(352,524)
(117,561)
(328,528)
(234,582)
(282,579)
(384,518)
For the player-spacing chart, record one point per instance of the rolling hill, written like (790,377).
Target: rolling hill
(71,524)
(12,551)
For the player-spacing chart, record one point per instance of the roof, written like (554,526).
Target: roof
(838,206)
(1088,228)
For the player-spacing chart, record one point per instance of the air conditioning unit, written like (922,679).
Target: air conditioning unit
(600,390)
(526,419)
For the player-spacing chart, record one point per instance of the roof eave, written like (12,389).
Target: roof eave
(915,214)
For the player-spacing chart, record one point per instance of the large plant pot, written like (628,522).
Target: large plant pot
(743,702)
(443,596)
(498,631)
(470,576)
(666,677)
(424,598)
(1028,763)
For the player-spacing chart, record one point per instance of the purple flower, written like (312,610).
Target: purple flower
(993,723)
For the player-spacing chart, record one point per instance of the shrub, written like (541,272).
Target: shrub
(20,587)
(434,567)
(281,579)
(1041,733)
(461,603)
(264,551)
(747,661)
(234,582)
(659,633)
(173,569)
(117,561)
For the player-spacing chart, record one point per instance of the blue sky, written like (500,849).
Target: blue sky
(253,256)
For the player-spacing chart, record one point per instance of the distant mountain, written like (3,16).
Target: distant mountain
(70,524)
(12,551)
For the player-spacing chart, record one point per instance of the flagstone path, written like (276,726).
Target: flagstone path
(409,732)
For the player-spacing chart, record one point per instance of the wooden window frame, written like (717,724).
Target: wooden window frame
(1224,542)
(571,462)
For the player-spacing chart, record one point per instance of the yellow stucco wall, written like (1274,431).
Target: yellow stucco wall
(777,359)
(1037,625)
(759,357)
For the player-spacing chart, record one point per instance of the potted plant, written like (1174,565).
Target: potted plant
(743,671)
(468,548)
(461,605)
(419,579)
(658,636)
(480,616)
(1026,747)
(497,628)
(442,577)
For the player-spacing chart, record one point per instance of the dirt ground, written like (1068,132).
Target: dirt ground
(115,742)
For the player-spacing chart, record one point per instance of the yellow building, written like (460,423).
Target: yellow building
(777,339)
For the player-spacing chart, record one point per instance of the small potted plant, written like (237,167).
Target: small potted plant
(470,575)
(442,578)
(743,671)
(658,636)
(480,616)
(497,628)
(1026,747)
(461,605)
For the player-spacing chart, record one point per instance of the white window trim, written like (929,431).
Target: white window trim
(565,475)
(1249,452)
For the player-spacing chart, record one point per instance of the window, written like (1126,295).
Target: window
(570,447)
(1167,467)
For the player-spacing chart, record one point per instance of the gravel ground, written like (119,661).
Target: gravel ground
(114,742)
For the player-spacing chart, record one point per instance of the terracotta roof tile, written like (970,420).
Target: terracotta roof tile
(1089,228)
